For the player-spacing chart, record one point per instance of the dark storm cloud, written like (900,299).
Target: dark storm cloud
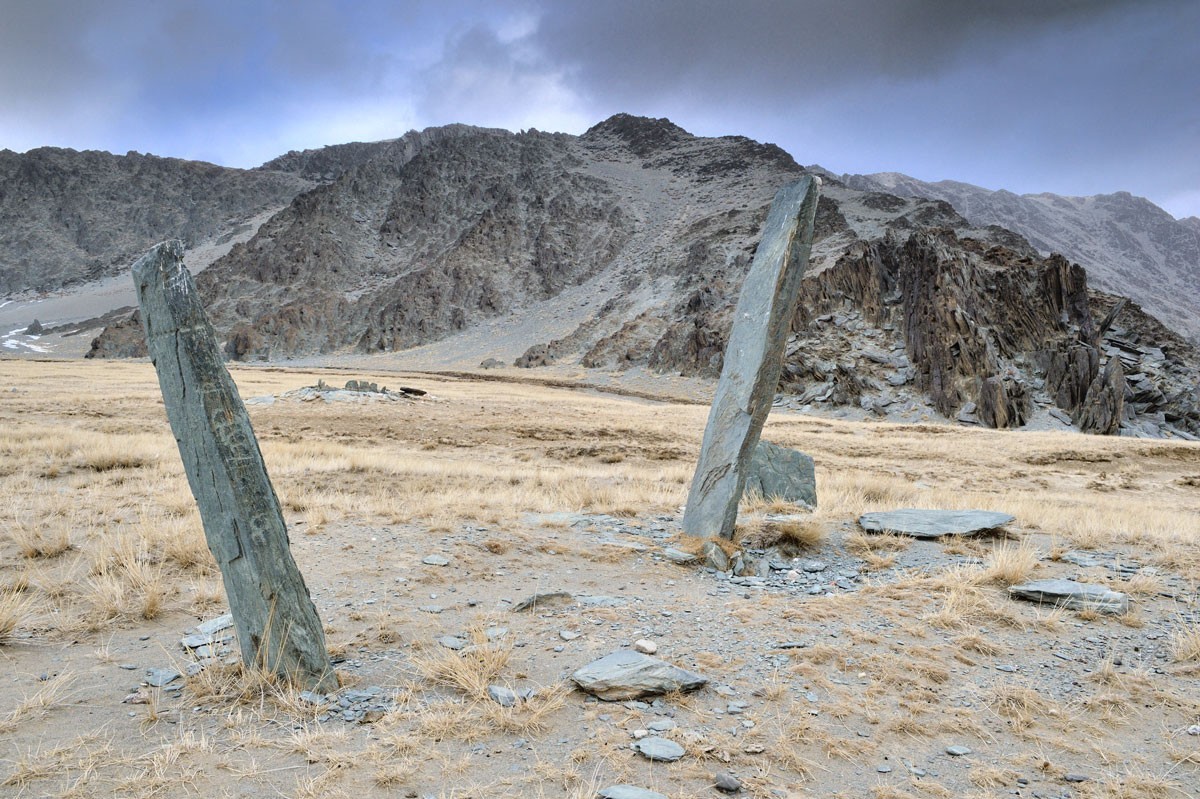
(1067,96)
(625,47)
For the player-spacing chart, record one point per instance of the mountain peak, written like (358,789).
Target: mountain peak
(643,135)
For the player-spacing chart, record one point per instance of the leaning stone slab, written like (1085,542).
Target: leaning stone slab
(628,792)
(753,360)
(1072,595)
(276,621)
(779,473)
(933,523)
(626,674)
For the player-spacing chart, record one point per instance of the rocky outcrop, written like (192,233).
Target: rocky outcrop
(68,216)
(1127,244)
(122,339)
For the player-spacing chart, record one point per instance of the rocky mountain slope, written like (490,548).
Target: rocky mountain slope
(1128,244)
(68,216)
(626,246)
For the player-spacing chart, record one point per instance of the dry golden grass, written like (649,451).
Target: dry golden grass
(106,542)
(1185,643)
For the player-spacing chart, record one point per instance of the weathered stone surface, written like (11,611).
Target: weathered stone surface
(654,748)
(628,792)
(540,601)
(778,472)
(626,674)
(920,523)
(753,361)
(276,621)
(1073,595)
(502,695)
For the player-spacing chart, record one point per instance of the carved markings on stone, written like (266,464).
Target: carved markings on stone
(753,360)
(276,621)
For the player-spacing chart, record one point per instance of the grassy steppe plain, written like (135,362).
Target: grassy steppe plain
(103,566)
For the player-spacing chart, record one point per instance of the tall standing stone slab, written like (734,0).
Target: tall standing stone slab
(753,360)
(276,621)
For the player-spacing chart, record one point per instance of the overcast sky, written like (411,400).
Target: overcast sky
(1067,96)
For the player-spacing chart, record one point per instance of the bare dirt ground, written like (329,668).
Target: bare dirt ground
(847,681)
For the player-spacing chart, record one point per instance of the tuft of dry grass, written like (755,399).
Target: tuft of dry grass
(470,670)
(1008,565)
(14,612)
(1185,643)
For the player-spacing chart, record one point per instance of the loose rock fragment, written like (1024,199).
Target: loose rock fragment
(1072,595)
(920,523)
(626,674)
(542,600)
(654,748)
(724,781)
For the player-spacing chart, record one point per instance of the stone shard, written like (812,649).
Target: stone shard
(753,361)
(626,674)
(1072,595)
(778,472)
(277,624)
(920,523)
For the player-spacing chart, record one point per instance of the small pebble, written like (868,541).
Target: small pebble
(884,769)
(1076,778)
(436,560)
(645,646)
(957,751)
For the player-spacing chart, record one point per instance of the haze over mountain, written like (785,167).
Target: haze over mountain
(1128,245)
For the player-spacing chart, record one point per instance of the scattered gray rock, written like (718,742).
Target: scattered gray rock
(492,363)
(678,556)
(920,523)
(662,725)
(542,600)
(653,747)
(1076,777)
(628,792)
(645,646)
(814,566)
(601,601)
(435,560)
(1073,595)
(724,781)
(626,674)
(778,472)
(958,751)
(568,635)
(505,697)
(453,642)
(715,557)
(157,678)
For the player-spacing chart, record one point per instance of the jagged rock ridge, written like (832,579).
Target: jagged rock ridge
(1128,245)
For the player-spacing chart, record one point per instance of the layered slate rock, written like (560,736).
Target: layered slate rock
(753,361)
(780,473)
(1072,595)
(626,674)
(920,523)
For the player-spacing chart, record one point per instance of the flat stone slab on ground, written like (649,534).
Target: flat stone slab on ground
(1072,595)
(654,748)
(626,674)
(920,523)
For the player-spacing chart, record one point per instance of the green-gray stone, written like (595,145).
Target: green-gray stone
(753,360)
(277,624)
